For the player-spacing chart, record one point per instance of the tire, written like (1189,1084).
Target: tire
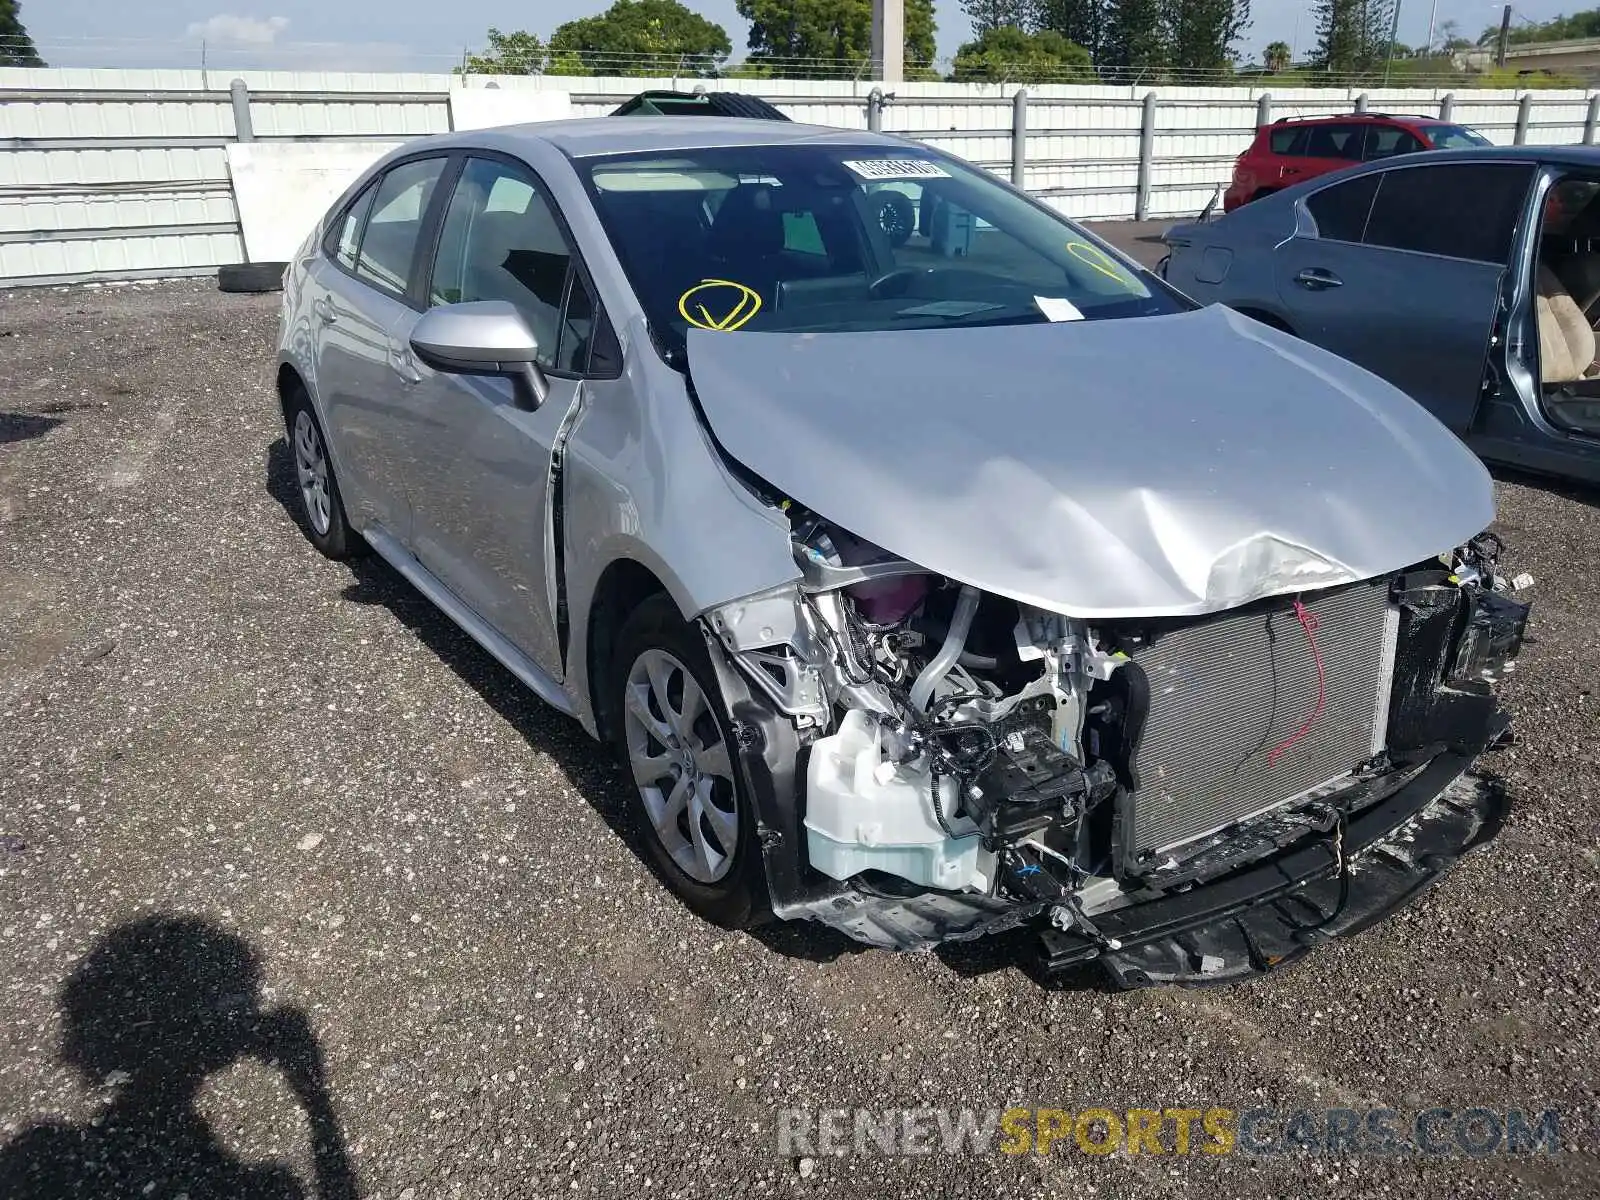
(897,217)
(251,277)
(321,504)
(701,841)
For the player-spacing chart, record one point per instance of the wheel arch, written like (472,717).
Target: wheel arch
(289,379)
(1265,316)
(623,586)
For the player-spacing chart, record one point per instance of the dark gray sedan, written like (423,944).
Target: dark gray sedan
(1470,279)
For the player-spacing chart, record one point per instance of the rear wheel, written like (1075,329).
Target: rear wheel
(674,738)
(320,502)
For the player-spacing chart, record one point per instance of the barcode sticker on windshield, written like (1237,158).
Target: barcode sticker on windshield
(897,168)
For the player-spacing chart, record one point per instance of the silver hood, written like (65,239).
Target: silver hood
(1161,465)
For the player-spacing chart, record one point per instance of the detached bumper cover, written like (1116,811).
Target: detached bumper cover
(1267,917)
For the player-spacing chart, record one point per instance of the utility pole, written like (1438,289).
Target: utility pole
(889,39)
(1505,34)
(1433,12)
(1394,27)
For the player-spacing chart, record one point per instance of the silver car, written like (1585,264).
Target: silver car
(930,581)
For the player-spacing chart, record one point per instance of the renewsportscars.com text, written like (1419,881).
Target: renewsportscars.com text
(1474,1132)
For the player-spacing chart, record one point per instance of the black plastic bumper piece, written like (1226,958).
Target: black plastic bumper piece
(1267,917)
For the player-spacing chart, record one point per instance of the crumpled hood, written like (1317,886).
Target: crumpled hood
(1161,465)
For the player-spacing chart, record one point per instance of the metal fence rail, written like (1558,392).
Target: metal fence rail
(123,174)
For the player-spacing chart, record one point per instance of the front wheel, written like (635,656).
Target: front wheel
(688,796)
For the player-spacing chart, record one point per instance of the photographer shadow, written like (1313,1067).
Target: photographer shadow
(156,1008)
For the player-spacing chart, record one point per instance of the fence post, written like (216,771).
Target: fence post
(1590,119)
(1361,103)
(1447,106)
(239,93)
(1147,146)
(875,110)
(1524,107)
(1019,136)
(1263,109)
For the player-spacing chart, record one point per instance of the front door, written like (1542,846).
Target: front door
(480,503)
(1403,274)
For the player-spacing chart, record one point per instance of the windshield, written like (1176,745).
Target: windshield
(1455,137)
(808,238)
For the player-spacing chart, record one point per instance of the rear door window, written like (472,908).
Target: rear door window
(1458,210)
(1341,211)
(389,243)
(1335,141)
(1385,141)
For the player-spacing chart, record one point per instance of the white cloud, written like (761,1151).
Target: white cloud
(244,31)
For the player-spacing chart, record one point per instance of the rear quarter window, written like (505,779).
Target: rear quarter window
(1291,140)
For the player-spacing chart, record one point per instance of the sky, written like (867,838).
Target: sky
(429,35)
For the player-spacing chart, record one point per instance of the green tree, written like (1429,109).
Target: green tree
(831,35)
(16,47)
(1135,39)
(1352,35)
(1080,21)
(996,14)
(1276,57)
(518,53)
(1008,55)
(640,37)
(1557,29)
(1200,33)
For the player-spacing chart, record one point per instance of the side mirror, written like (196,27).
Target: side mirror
(482,337)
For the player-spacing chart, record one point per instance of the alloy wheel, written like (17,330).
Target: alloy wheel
(681,766)
(311,468)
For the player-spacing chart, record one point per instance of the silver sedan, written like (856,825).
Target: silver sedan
(933,569)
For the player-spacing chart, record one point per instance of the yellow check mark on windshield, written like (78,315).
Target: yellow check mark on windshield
(735,301)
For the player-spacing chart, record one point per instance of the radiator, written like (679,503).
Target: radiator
(1227,697)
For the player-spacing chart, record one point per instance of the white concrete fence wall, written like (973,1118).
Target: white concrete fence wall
(115,174)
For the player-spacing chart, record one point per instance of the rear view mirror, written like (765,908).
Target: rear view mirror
(482,337)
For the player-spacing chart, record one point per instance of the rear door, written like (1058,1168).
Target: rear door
(1402,272)
(361,379)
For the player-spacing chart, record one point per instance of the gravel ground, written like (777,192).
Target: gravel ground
(288,862)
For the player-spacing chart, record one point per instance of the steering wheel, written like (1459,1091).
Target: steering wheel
(899,273)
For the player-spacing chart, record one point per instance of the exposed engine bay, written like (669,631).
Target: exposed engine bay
(963,743)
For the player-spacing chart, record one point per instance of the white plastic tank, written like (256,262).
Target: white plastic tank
(863,813)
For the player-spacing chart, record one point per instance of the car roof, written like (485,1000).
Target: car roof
(1347,118)
(1578,156)
(589,136)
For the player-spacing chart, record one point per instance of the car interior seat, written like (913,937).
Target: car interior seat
(746,240)
(1566,342)
(1573,252)
(520,258)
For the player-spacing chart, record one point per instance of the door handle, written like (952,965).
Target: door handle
(324,309)
(1317,279)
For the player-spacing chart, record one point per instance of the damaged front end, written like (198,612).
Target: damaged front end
(1184,799)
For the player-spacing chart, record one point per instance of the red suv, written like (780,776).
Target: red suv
(1294,149)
